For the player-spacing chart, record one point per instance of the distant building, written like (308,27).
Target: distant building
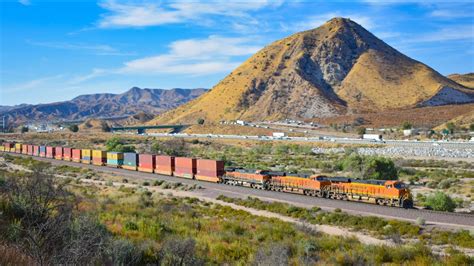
(241,122)
(409,132)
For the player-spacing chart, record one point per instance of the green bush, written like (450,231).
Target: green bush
(439,201)
(370,167)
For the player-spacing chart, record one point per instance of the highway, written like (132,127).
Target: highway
(213,190)
(410,143)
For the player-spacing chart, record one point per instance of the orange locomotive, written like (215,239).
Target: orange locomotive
(383,192)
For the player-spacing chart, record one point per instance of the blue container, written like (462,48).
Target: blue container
(130,159)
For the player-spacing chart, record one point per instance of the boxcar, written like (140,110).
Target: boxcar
(146,163)
(164,165)
(209,170)
(130,161)
(99,157)
(184,167)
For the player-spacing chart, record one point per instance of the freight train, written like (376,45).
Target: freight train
(381,192)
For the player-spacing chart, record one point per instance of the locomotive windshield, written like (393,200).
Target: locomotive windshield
(400,185)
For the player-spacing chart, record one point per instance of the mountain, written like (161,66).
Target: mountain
(466,80)
(104,105)
(337,69)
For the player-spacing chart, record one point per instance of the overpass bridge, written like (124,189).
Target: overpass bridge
(142,129)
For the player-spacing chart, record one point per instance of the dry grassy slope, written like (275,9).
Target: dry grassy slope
(335,69)
(464,120)
(379,82)
(466,80)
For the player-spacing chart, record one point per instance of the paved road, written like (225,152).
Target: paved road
(212,190)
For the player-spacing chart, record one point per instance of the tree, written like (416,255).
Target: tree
(361,131)
(73,128)
(200,121)
(370,167)
(439,201)
(407,125)
(450,127)
(117,145)
(24,129)
(471,127)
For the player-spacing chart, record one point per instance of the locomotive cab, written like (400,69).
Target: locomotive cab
(397,189)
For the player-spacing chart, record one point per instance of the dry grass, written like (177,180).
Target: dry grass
(465,80)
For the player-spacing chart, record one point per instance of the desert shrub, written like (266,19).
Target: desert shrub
(420,221)
(440,201)
(118,145)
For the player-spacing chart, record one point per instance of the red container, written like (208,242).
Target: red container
(146,162)
(36,150)
(67,154)
(29,149)
(209,170)
(8,146)
(185,167)
(164,165)
(24,149)
(58,153)
(50,152)
(76,155)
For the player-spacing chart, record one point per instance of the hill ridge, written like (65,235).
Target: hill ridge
(338,68)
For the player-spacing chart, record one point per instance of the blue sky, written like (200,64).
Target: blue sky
(56,50)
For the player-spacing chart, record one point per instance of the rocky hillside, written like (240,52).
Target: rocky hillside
(104,105)
(466,80)
(338,68)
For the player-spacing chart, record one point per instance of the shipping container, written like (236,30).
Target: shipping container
(50,152)
(67,154)
(59,153)
(42,150)
(185,167)
(36,150)
(18,147)
(2,148)
(29,149)
(86,156)
(209,170)
(99,157)
(115,159)
(76,155)
(24,148)
(130,161)
(146,163)
(164,165)
(8,146)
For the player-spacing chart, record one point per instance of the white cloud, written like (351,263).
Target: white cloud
(152,13)
(194,57)
(25,2)
(98,49)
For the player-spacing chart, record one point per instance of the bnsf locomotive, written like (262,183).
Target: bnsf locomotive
(381,192)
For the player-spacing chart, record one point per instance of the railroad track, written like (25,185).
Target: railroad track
(213,190)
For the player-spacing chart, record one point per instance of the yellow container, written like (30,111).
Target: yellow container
(99,154)
(86,153)
(115,155)
(18,146)
(2,148)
